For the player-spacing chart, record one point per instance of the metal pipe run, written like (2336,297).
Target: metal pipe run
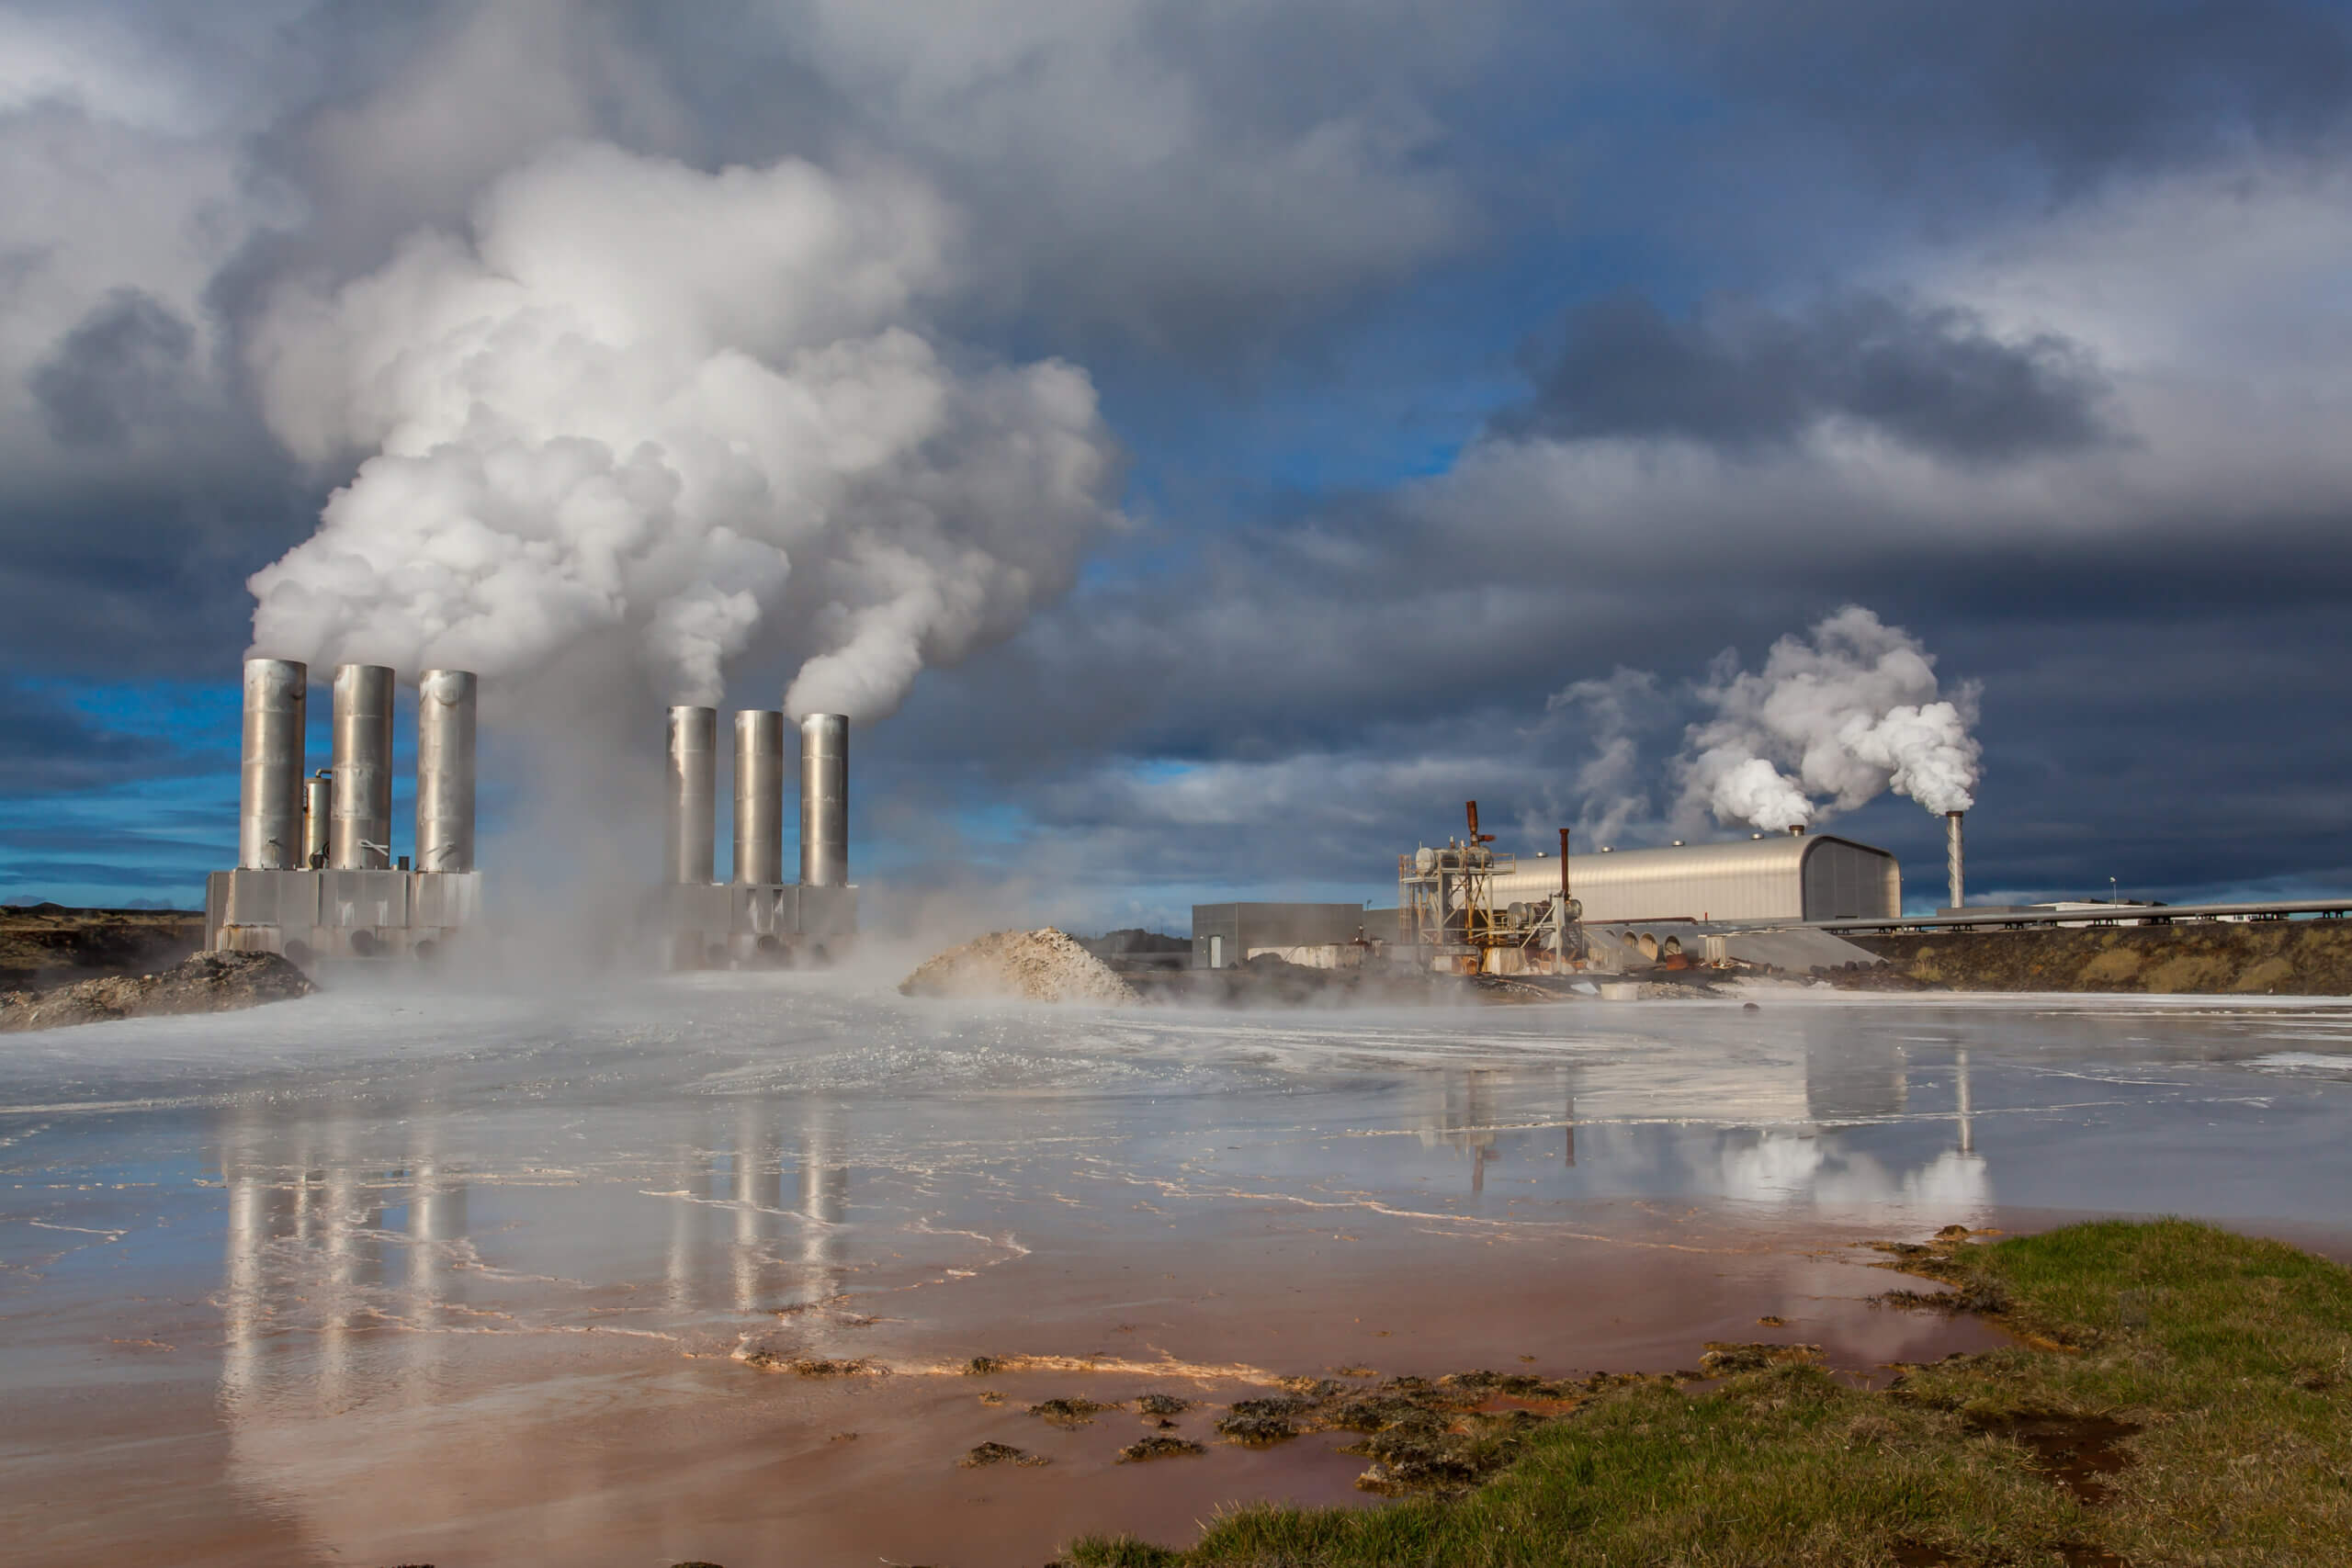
(444,770)
(1952,855)
(270,785)
(318,812)
(693,828)
(361,839)
(759,798)
(824,800)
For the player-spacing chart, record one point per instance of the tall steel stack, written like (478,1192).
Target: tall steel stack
(1953,866)
(755,917)
(317,873)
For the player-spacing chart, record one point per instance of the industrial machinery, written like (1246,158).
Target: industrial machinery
(1447,917)
(316,874)
(699,922)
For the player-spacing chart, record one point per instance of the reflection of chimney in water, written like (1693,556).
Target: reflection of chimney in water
(1568,1132)
(759,1183)
(248,1238)
(1959,1074)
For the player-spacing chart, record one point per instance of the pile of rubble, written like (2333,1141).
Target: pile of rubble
(1044,965)
(210,982)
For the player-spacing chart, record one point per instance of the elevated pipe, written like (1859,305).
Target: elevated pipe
(691,800)
(824,800)
(269,780)
(361,838)
(446,701)
(759,798)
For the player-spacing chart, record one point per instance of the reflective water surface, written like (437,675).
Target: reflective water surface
(382,1276)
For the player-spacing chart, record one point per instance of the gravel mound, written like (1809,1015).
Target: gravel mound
(1037,966)
(210,982)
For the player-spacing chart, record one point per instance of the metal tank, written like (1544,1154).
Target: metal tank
(692,829)
(759,798)
(269,803)
(824,800)
(362,835)
(444,770)
(318,813)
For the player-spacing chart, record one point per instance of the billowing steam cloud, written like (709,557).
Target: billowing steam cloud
(1847,715)
(693,412)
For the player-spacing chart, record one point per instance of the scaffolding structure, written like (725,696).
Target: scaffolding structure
(1447,917)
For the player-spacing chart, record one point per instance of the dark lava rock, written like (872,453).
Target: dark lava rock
(1159,1448)
(1076,1412)
(999,1453)
(210,982)
(1161,1404)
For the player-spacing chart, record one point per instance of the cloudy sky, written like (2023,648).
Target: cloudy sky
(1204,442)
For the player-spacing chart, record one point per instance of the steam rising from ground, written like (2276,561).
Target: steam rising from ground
(688,416)
(1849,714)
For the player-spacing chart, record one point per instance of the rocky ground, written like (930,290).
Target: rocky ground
(44,943)
(208,982)
(2287,958)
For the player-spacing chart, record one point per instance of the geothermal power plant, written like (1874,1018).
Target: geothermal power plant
(318,875)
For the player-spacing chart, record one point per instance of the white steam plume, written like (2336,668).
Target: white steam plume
(691,415)
(1847,715)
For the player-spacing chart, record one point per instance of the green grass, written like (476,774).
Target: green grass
(2233,1355)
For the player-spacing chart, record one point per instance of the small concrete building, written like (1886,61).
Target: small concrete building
(1228,934)
(1780,877)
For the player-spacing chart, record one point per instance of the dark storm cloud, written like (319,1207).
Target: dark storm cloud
(48,747)
(2085,87)
(1741,374)
(119,369)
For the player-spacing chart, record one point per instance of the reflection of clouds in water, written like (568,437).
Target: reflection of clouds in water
(1796,1170)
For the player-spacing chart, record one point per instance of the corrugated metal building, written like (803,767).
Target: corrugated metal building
(1816,876)
(1227,935)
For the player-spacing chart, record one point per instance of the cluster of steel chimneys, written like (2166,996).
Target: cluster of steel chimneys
(759,799)
(341,820)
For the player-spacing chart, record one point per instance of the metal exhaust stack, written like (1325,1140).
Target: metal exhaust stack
(824,800)
(318,812)
(1952,855)
(444,770)
(269,806)
(759,798)
(693,833)
(362,836)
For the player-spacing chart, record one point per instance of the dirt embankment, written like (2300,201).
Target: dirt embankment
(2287,958)
(44,943)
(210,982)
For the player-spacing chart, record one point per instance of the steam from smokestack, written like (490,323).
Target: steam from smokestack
(695,415)
(1845,714)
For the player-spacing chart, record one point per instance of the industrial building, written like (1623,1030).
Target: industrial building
(701,922)
(1774,877)
(1226,935)
(316,873)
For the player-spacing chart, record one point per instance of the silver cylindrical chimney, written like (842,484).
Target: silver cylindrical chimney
(318,814)
(824,800)
(758,796)
(693,825)
(361,839)
(269,785)
(1951,855)
(444,770)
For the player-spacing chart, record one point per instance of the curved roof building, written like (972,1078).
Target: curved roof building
(1815,876)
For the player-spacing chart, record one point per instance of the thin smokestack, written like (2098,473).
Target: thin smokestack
(362,836)
(824,800)
(270,785)
(692,830)
(759,798)
(1953,856)
(318,817)
(444,770)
